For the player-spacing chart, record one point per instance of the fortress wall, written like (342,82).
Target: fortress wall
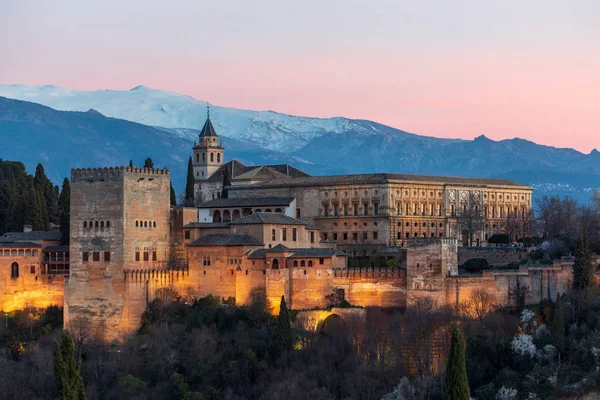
(277,285)
(494,255)
(28,290)
(247,282)
(310,286)
(377,290)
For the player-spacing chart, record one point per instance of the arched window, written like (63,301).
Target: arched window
(295,263)
(236,214)
(218,157)
(302,263)
(212,157)
(217,216)
(278,210)
(108,224)
(226,216)
(14,270)
(145,224)
(96,224)
(268,210)
(310,263)
(275,263)
(154,224)
(85,224)
(137,224)
(197,157)
(101,224)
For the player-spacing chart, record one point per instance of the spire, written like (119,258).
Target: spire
(208,129)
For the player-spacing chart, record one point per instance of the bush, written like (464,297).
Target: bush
(499,238)
(476,265)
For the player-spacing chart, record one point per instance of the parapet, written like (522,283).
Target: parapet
(419,242)
(99,174)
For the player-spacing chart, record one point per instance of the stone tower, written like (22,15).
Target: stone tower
(119,223)
(208,155)
(429,262)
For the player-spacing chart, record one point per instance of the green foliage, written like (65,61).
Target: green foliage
(456,386)
(583,269)
(499,238)
(476,265)
(173,196)
(132,386)
(284,327)
(558,323)
(148,163)
(64,210)
(391,263)
(189,184)
(69,383)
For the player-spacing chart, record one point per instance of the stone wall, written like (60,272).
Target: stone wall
(494,255)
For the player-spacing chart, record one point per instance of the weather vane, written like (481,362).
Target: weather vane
(207,109)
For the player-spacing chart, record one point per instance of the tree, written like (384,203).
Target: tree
(69,382)
(32,211)
(189,185)
(583,269)
(226,183)
(130,164)
(456,385)
(64,210)
(480,303)
(470,217)
(284,328)
(148,163)
(558,323)
(173,196)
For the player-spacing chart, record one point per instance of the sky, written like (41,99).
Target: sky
(459,69)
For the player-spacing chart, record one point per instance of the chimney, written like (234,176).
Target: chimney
(27,228)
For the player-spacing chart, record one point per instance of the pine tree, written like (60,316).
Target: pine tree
(284,328)
(583,269)
(69,382)
(148,163)
(173,196)
(189,185)
(558,323)
(456,385)
(64,210)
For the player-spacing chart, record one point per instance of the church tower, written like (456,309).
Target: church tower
(208,153)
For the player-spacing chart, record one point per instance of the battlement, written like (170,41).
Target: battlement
(93,174)
(419,242)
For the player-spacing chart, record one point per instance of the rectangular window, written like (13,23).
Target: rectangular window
(273,234)
(345,235)
(439,210)
(321,261)
(154,256)
(96,256)
(335,210)
(312,237)
(375,235)
(355,236)
(346,210)
(365,236)
(146,256)
(187,234)
(137,256)
(107,256)
(294,234)
(366,209)
(85,256)
(284,234)
(325,236)
(297,213)
(32,269)
(355,210)
(334,236)
(206,261)
(375,208)
(326,210)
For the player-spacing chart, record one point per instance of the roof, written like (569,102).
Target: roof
(207,225)
(248,202)
(267,218)
(280,247)
(300,253)
(56,248)
(208,129)
(31,236)
(381,178)
(226,240)
(19,245)
(238,170)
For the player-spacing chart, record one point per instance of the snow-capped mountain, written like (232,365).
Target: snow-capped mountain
(267,129)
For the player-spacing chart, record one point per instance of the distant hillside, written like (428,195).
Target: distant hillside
(318,146)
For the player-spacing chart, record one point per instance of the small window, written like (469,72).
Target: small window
(310,263)
(294,234)
(375,235)
(14,270)
(145,224)
(96,256)
(312,237)
(273,234)
(32,269)
(335,236)
(321,261)
(154,224)
(108,224)
(284,234)
(96,224)
(187,234)
(85,224)
(107,256)
(302,263)
(85,256)
(154,257)
(295,263)
(137,256)
(146,256)
(137,224)
(345,235)
(102,224)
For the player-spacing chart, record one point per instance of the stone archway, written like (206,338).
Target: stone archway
(334,326)
(217,216)
(226,216)
(235,215)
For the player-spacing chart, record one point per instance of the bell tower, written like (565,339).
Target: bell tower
(208,154)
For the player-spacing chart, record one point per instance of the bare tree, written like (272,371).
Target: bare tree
(470,216)
(518,292)
(479,304)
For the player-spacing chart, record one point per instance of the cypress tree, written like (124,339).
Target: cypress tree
(173,196)
(31,208)
(583,269)
(40,182)
(130,164)
(284,328)
(189,185)
(148,163)
(64,210)
(69,382)
(226,183)
(456,385)
(558,323)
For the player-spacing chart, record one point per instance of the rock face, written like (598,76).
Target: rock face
(119,223)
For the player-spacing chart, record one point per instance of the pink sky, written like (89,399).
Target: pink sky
(446,69)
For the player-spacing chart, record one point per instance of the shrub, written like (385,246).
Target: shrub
(476,265)
(499,238)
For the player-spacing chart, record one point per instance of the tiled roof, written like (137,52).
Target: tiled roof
(279,247)
(31,236)
(56,248)
(379,179)
(268,218)
(19,245)
(301,253)
(248,202)
(208,129)
(226,240)
(207,225)
(237,169)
